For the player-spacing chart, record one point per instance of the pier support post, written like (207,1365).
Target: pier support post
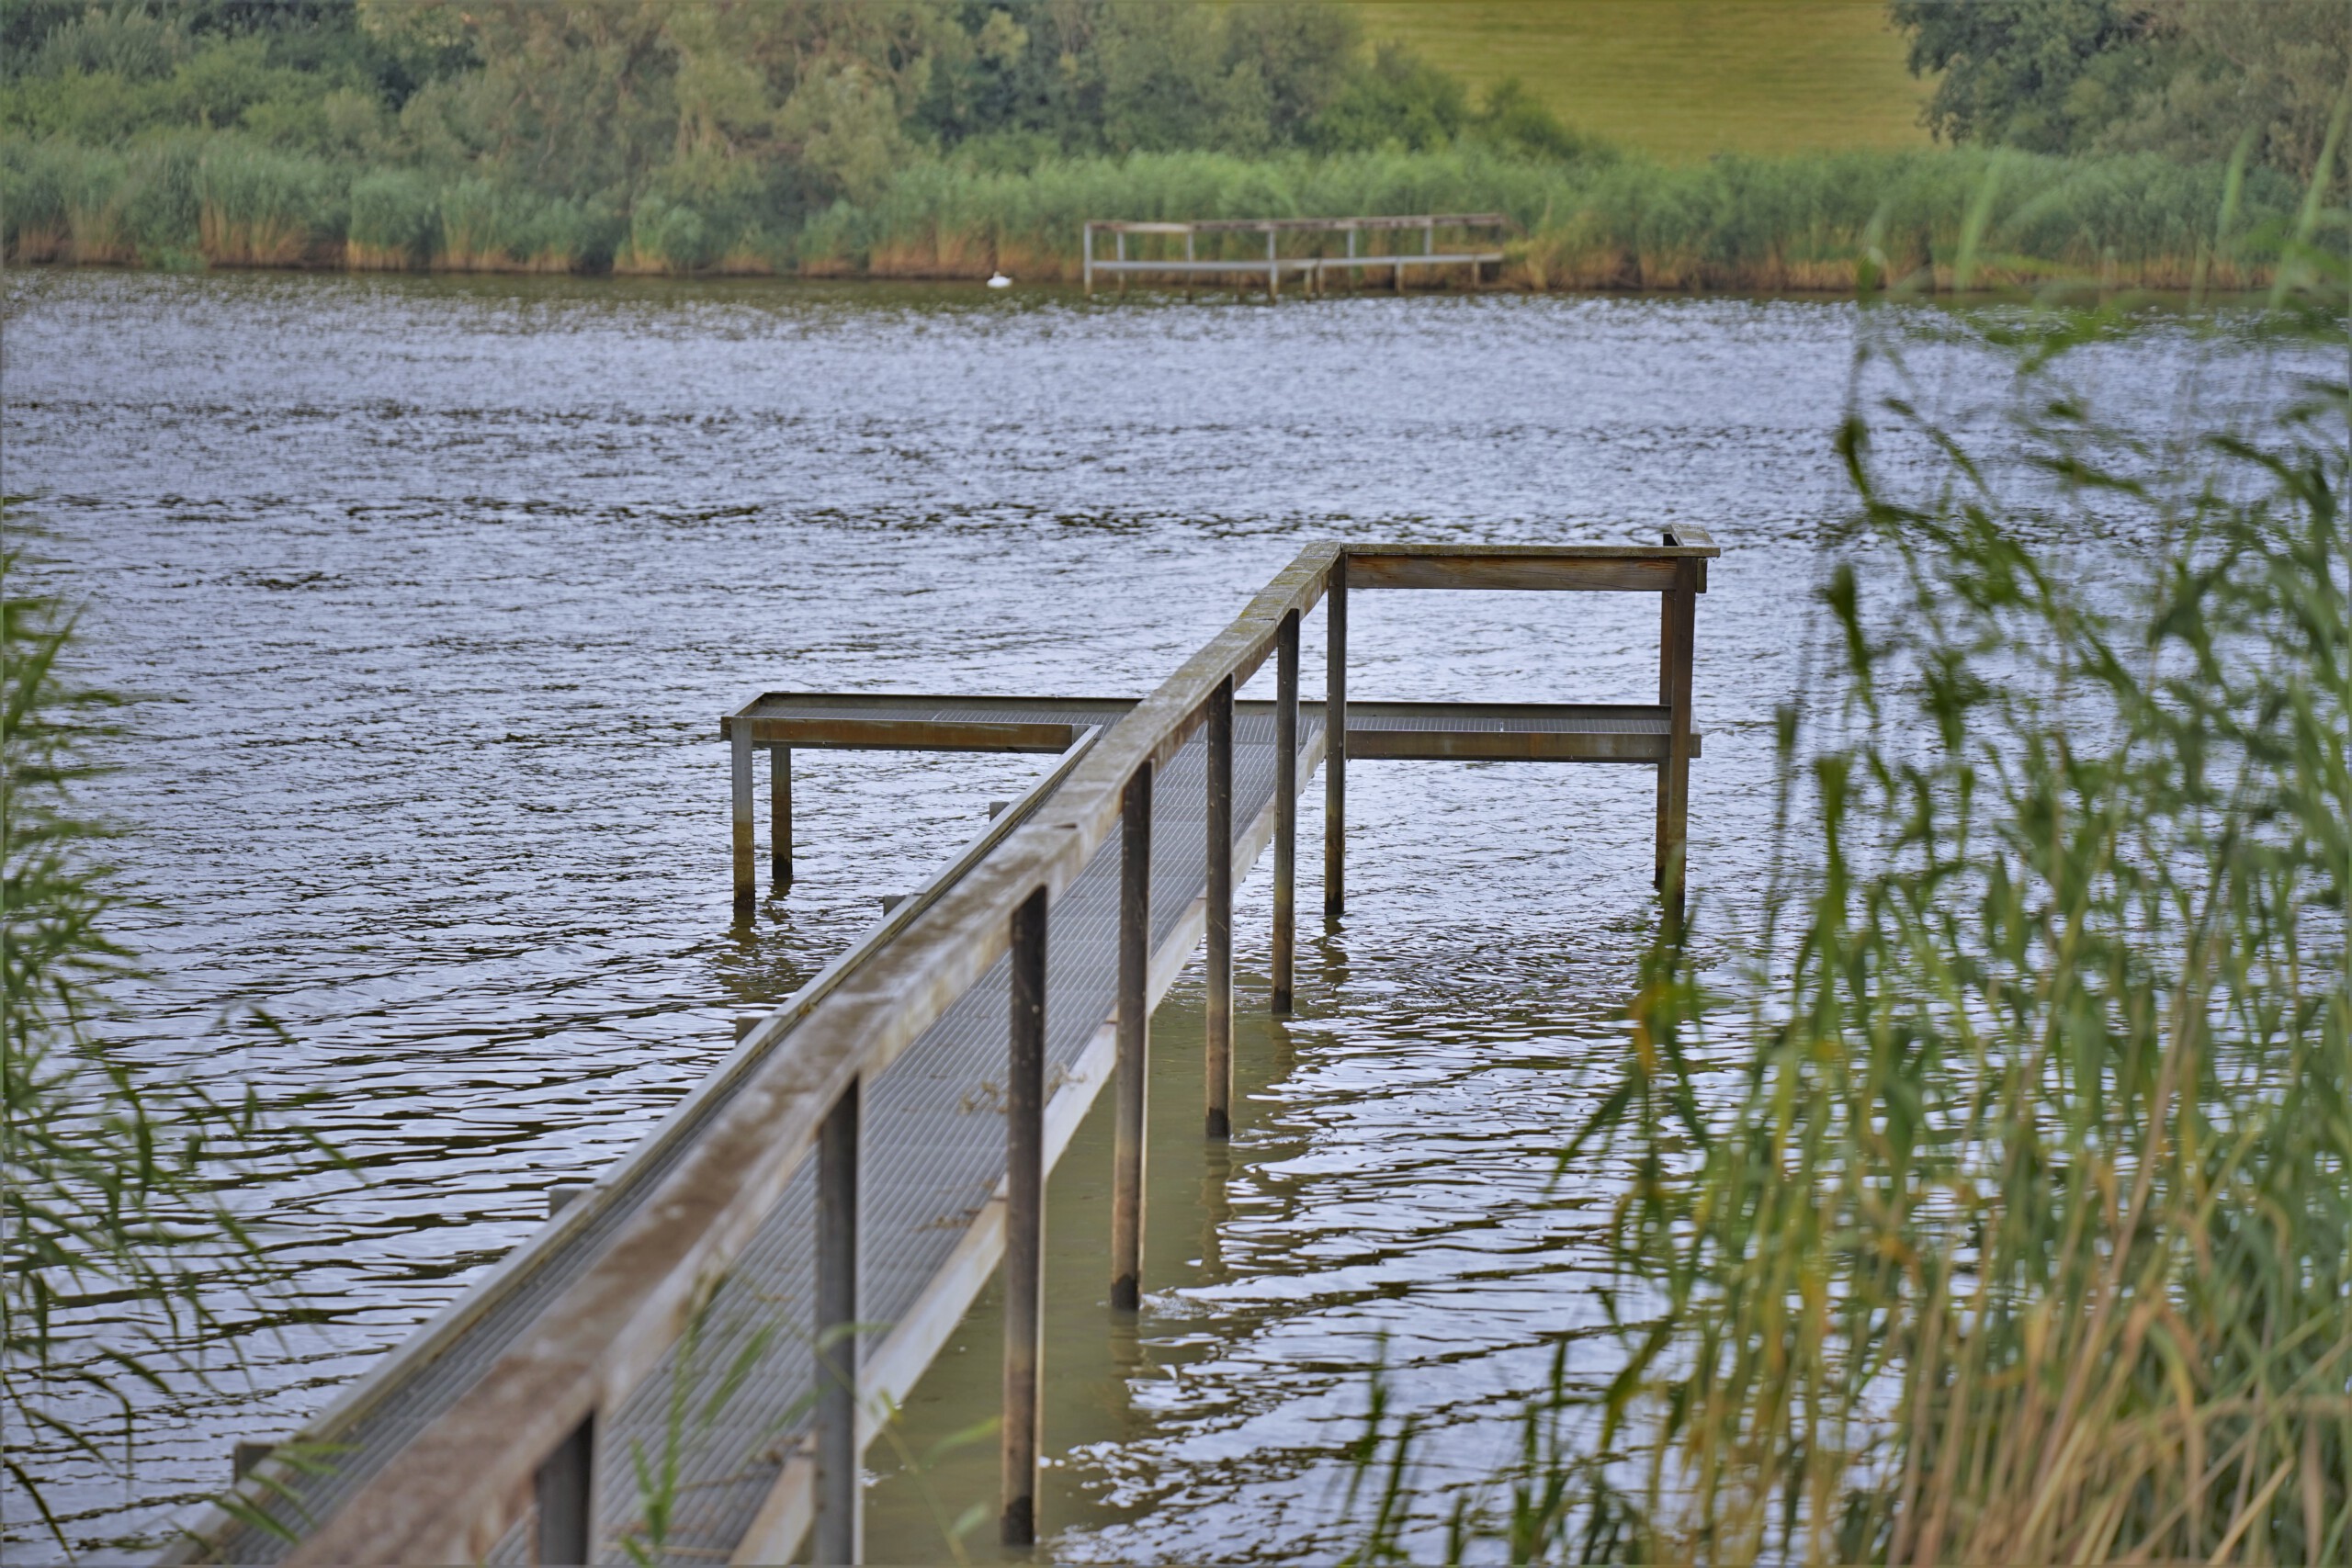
(838,1522)
(1286,807)
(1219,1028)
(564,1490)
(1024,1220)
(1335,742)
(1135,1042)
(747,888)
(1273,271)
(1121,239)
(1086,262)
(1677,635)
(780,814)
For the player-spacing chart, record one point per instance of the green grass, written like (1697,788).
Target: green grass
(1682,79)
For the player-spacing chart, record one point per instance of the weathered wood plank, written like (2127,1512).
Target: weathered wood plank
(1540,573)
(839,733)
(1306,225)
(1506,746)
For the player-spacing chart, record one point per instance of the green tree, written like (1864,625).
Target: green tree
(1401,102)
(2044,74)
(2277,71)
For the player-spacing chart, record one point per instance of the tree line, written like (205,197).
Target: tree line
(778,107)
(2188,79)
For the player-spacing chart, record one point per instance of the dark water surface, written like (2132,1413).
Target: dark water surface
(434,591)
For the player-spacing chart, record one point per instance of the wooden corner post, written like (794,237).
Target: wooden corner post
(747,887)
(1218,1031)
(1134,1042)
(780,814)
(1286,807)
(1335,742)
(1679,621)
(1024,1220)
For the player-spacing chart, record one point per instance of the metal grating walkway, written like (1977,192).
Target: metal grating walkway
(934,1152)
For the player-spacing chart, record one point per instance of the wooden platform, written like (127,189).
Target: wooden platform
(1314,268)
(874,1149)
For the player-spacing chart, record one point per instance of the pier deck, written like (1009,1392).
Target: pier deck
(872,1148)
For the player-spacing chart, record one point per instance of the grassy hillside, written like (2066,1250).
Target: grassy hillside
(1682,78)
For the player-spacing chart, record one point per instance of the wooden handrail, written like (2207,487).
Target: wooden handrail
(458,1486)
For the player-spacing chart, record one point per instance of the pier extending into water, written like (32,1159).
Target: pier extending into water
(786,1251)
(1360,259)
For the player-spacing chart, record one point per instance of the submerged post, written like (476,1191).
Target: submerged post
(1135,1042)
(1024,1220)
(1335,741)
(837,1490)
(780,813)
(747,890)
(1285,806)
(1219,959)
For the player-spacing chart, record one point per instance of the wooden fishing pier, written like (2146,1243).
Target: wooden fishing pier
(1358,261)
(816,1215)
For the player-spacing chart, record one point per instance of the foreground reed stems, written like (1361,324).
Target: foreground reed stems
(2029,1238)
(126,1264)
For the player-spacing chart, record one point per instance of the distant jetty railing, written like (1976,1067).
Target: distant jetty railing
(1356,262)
(808,1191)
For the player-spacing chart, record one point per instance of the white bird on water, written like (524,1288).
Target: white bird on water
(998,280)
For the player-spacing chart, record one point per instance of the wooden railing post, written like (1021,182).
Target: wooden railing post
(1134,1042)
(1682,612)
(1085,264)
(565,1490)
(1025,1219)
(838,1522)
(1219,1030)
(1666,764)
(780,814)
(1335,743)
(1273,269)
(1120,236)
(1286,807)
(747,889)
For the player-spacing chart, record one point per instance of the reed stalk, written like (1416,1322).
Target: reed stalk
(124,1253)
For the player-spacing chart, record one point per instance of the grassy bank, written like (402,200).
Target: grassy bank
(1793,224)
(1681,79)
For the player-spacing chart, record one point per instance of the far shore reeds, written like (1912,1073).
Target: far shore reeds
(1790,224)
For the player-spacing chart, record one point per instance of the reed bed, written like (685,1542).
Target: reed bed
(1601,221)
(1997,1211)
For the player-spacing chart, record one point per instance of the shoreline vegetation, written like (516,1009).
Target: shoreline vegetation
(1790,224)
(955,139)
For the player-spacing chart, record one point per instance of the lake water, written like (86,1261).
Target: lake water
(433,591)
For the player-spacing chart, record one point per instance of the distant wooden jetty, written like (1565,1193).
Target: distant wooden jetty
(875,1147)
(1360,258)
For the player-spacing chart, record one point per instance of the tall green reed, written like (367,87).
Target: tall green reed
(2022,1232)
(124,1252)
